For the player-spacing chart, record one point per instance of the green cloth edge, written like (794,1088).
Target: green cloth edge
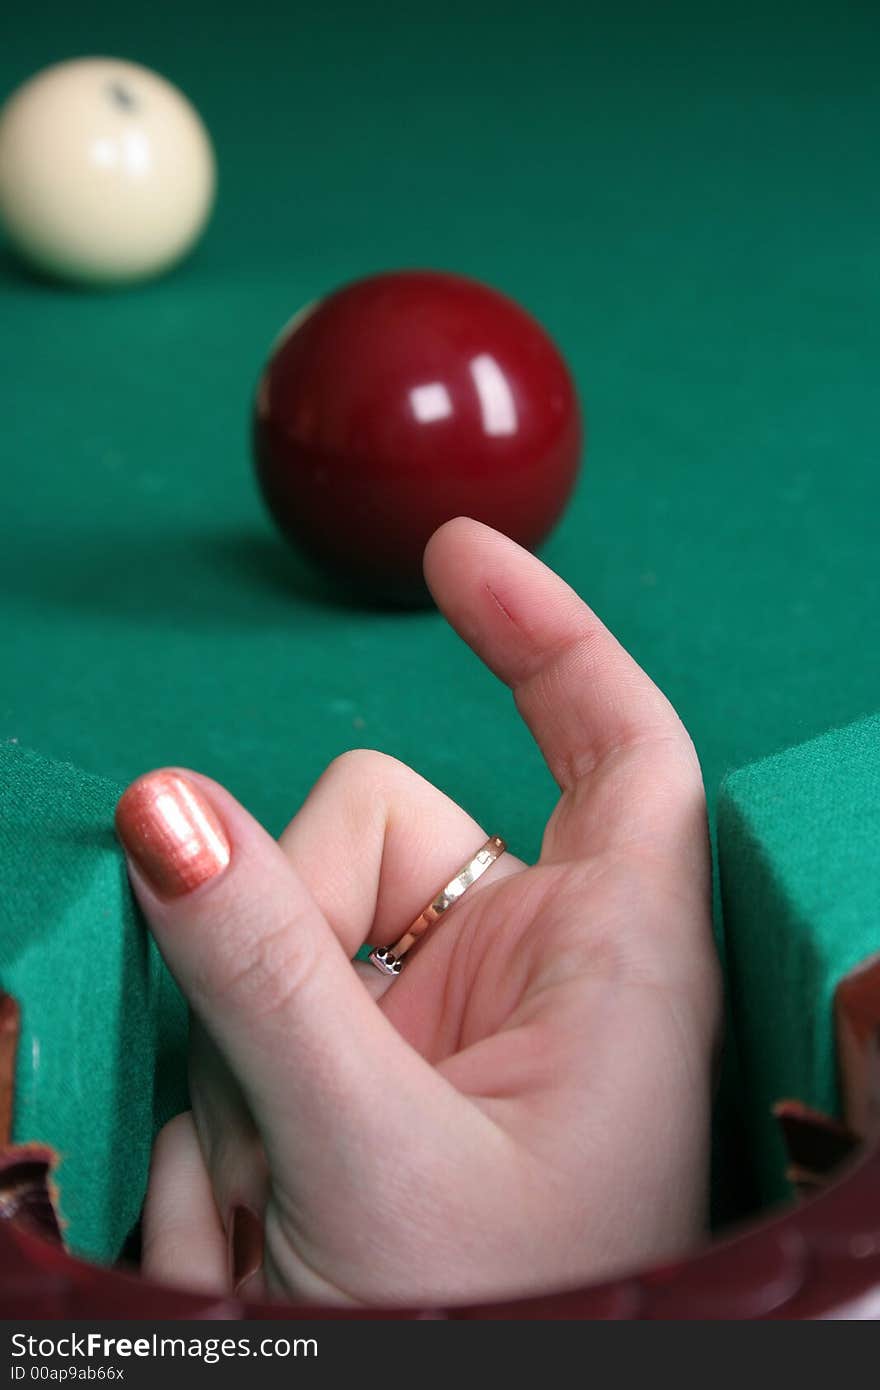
(800,887)
(101,1061)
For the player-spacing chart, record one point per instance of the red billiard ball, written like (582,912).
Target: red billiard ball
(403,400)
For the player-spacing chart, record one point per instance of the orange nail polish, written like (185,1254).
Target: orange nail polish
(173,834)
(245,1245)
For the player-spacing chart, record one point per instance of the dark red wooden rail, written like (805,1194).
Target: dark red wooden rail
(817,1259)
(820,1259)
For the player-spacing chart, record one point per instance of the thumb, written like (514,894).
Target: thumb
(264,972)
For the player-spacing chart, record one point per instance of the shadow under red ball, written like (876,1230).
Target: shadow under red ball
(401,401)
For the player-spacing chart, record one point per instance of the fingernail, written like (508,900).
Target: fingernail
(174,836)
(245,1245)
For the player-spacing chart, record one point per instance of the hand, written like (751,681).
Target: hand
(526,1108)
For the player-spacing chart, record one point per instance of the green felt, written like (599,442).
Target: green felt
(686,195)
(93,1079)
(800,877)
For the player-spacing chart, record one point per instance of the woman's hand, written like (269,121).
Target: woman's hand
(527,1106)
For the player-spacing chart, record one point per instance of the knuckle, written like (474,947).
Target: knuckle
(265,971)
(676,757)
(362,766)
(356,793)
(364,785)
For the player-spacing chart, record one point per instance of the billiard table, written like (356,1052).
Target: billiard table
(686,198)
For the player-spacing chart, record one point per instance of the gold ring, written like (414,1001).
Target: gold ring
(389,959)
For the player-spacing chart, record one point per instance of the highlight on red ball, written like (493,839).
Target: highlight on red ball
(401,401)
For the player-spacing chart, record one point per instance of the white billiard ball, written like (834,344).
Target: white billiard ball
(107,173)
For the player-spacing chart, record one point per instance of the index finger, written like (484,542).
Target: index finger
(611,739)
